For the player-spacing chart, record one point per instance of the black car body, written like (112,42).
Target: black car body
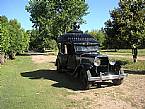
(79,56)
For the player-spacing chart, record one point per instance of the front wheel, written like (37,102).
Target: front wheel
(84,80)
(117,81)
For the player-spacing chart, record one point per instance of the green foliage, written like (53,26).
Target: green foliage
(50,44)
(39,43)
(13,39)
(19,39)
(15,36)
(4,34)
(127,25)
(34,39)
(98,35)
(52,18)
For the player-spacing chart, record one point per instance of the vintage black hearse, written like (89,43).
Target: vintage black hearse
(79,56)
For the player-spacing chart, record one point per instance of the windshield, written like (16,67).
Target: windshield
(88,48)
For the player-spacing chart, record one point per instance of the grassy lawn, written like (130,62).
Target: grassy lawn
(127,62)
(129,65)
(141,52)
(25,85)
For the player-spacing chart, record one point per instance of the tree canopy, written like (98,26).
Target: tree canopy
(13,39)
(52,18)
(127,24)
(98,35)
(4,34)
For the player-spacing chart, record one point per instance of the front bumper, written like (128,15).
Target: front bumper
(102,78)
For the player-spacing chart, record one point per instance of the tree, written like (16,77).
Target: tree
(4,38)
(52,18)
(4,34)
(98,35)
(13,39)
(25,40)
(127,24)
(19,39)
(37,44)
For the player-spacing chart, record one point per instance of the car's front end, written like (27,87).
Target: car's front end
(101,69)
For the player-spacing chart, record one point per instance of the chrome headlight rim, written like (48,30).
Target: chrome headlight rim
(112,62)
(97,61)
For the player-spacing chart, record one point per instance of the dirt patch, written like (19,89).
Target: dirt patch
(129,95)
(43,58)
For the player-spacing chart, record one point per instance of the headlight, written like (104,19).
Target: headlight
(112,62)
(97,62)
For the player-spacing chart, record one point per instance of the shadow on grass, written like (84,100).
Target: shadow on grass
(62,80)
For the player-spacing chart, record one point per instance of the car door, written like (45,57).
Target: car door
(71,63)
(63,56)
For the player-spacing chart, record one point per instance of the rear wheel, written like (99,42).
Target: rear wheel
(117,81)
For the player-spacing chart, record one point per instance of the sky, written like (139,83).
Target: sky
(98,13)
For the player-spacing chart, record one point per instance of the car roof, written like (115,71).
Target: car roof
(77,37)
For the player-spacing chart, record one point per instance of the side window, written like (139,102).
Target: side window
(63,49)
(66,49)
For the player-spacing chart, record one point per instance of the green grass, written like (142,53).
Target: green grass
(128,63)
(140,65)
(141,52)
(25,85)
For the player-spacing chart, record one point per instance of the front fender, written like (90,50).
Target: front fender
(86,66)
(80,67)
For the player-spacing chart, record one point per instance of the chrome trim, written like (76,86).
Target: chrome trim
(108,77)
